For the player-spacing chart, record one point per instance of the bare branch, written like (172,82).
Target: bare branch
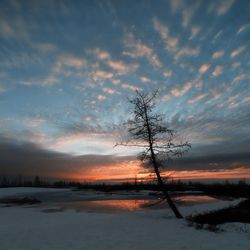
(148,131)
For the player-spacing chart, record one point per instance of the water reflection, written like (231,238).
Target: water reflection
(128,205)
(107,205)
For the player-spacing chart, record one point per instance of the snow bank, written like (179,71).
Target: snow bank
(27,191)
(29,229)
(202,208)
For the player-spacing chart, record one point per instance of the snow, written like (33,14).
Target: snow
(202,208)
(29,228)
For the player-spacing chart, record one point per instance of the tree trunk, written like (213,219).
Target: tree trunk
(165,192)
(160,183)
(154,161)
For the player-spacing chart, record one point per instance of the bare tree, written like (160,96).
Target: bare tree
(148,131)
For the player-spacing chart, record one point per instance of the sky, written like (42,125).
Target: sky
(67,69)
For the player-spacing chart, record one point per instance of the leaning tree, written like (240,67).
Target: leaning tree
(147,130)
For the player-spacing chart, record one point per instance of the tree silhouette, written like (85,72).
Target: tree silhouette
(148,131)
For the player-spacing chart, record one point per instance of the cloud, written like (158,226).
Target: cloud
(110,91)
(229,101)
(6,30)
(44,47)
(237,51)
(121,67)
(187,66)
(217,36)
(224,6)
(50,80)
(236,65)
(2,89)
(204,68)
(199,84)
(31,160)
(246,99)
(14,28)
(166,97)
(101,97)
(215,97)
(115,81)
(101,74)
(243,28)
(187,10)
(220,7)
(161,29)
(171,43)
(69,65)
(197,98)
(194,32)
(145,79)
(100,54)
(240,77)
(212,162)
(243,101)
(88,119)
(118,66)
(176,5)
(217,54)
(84,137)
(167,73)
(34,121)
(71,61)
(138,49)
(188,13)
(233,105)
(217,71)
(130,87)
(186,51)
(237,172)
(181,91)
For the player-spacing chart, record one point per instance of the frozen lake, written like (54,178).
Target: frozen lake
(136,204)
(116,202)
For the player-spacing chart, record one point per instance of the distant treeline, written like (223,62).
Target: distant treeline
(35,182)
(240,189)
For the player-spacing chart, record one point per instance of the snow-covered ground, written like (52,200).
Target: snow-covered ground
(30,229)
(27,191)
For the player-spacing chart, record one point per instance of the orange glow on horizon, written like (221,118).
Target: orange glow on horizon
(128,171)
(236,173)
